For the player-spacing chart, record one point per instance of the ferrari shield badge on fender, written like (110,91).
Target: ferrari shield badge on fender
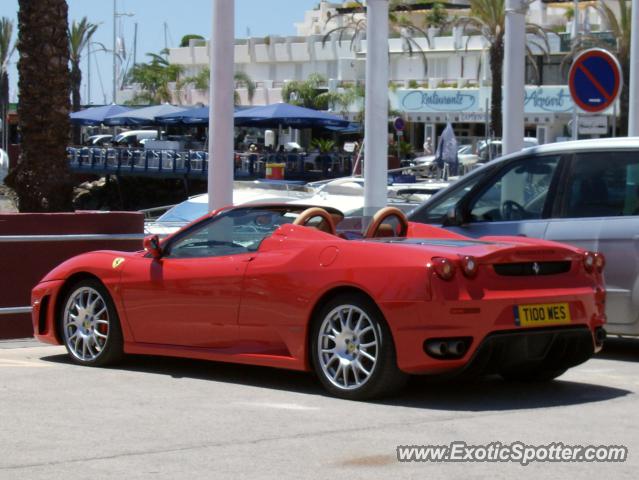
(117,262)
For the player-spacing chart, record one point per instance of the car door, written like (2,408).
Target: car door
(190,296)
(512,201)
(598,209)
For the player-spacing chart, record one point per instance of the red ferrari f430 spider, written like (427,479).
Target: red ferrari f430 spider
(276,285)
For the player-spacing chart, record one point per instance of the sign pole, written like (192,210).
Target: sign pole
(221,54)
(514,73)
(376,102)
(575,123)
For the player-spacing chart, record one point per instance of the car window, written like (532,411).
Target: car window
(436,211)
(603,184)
(232,233)
(518,192)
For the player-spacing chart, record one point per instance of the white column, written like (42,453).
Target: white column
(376,115)
(221,51)
(514,81)
(633,114)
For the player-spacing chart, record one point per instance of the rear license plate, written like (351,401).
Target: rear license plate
(542,314)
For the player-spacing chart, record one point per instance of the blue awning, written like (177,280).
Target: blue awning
(142,116)
(286,115)
(96,115)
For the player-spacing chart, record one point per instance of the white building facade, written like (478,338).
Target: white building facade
(454,85)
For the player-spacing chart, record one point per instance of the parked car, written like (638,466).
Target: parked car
(490,149)
(132,138)
(585,193)
(275,285)
(98,140)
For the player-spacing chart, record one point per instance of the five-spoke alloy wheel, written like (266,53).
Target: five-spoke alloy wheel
(90,326)
(352,348)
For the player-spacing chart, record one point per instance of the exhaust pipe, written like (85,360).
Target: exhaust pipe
(447,348)
(438,348)
(457,348)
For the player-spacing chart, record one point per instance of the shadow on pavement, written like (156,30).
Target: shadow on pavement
(492,393)
(623,349)
(485,394)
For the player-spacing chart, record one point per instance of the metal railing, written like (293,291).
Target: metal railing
(194,163)
(62,238)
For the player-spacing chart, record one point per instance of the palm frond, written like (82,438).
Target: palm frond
(80,34)
(6,46)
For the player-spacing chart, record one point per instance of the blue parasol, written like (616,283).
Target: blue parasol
(142,116)
(96,115)
(285,115)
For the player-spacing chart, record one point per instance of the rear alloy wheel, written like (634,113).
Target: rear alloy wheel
(353,352)
(90,326)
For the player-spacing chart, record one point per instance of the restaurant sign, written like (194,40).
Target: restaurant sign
(538,100)
(440,100)
(548,99)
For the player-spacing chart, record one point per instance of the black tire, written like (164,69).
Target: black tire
(88,337)
(532,375)
(384,378)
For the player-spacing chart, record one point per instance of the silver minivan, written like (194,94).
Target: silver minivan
(584,193)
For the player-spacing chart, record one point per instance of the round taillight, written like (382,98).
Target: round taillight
(600,261)
(469,266)
(589,261)
(444,268)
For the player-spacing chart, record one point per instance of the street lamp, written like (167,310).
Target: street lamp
(101,48)
(116,14)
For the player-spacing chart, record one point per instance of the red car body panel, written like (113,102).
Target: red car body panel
(257,307)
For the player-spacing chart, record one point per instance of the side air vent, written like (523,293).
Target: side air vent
(42,318)
(531,268)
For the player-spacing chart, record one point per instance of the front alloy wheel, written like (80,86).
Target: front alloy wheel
(90,326)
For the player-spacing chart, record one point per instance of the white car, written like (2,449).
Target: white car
(134,137)
(244,193)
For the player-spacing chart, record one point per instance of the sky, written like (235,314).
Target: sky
(252,17)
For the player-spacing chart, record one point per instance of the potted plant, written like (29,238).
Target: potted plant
(435,19)
(325,146)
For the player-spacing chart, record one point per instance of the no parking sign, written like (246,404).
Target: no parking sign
(595,80)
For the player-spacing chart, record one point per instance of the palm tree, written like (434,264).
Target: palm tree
(41,179)
(309,93)
(202,79)
(243,78)
(620,28)
(487,18)
(154,79)
(80,35)
(6,51)
(353,26)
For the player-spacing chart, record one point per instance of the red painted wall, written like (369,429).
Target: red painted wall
(23,264)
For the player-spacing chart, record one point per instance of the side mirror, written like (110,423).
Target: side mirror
(454,217)
(152,245)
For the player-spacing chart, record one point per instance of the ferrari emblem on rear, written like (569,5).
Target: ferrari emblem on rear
(117,262)
(536,268)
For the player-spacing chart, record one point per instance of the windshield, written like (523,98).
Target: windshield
(435,209)
(185,212)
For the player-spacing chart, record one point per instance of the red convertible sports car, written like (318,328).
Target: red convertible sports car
(276,285)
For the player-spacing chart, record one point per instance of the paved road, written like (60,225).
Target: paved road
(170,419)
